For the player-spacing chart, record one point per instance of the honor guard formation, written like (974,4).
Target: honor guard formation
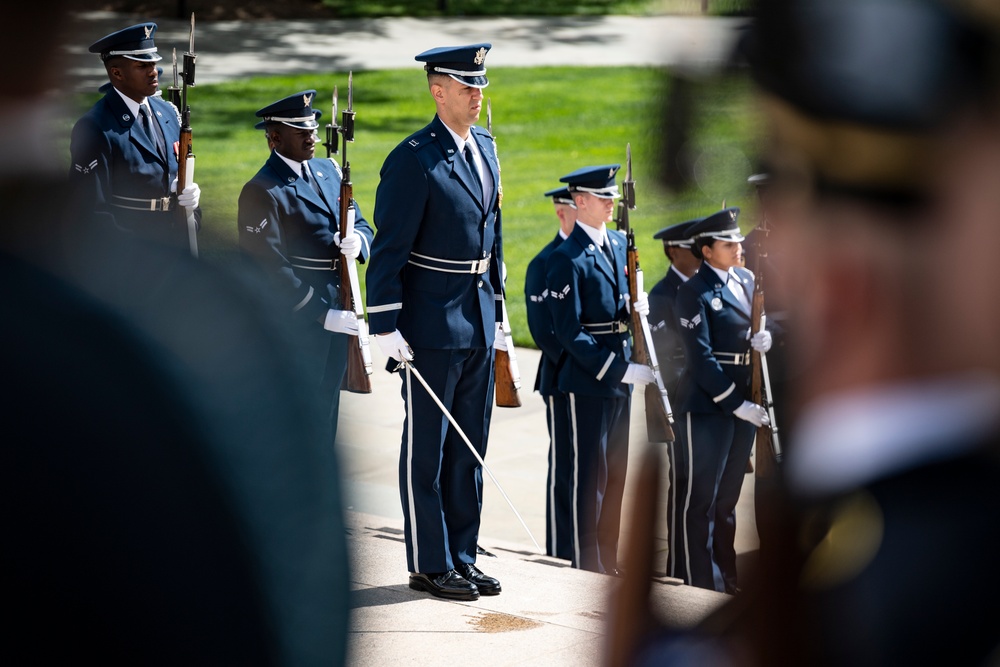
(199,406)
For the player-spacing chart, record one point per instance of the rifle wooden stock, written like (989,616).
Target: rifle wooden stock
(356,379)
(506,374)
(766,458)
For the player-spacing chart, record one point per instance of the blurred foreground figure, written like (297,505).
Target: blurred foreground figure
(166,496)
(885,150)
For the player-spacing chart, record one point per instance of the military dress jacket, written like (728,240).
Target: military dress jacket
(713,325)
(585,291)
(429,211)
(286,230)
(663,327)
(540,320)
(111,155)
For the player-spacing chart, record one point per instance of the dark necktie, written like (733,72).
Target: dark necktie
(608,254)
(305,177)
(151,129)
(472,167)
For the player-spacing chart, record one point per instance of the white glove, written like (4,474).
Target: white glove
(394,345)
(341,321)
(350,247)
(752,413)
(638,374)
(761,341)
(499,339)
(641,304)
(189,196)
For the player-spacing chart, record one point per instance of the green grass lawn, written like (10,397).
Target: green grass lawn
(548,121)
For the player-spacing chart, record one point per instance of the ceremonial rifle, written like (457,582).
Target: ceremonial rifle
(185,154)
(507,375)
(768,453)
(659,415)
(359,358)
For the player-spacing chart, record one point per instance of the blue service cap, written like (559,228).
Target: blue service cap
(295,111)
(561,196)
(721,226)
(134,43)
(465,64)
(598,181)
(678,235)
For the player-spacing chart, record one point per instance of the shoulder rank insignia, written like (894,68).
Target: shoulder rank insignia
(692,323)
(259,228)
(86,169)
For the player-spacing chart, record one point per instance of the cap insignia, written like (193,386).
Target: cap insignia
(480,56)
(732,215)
(148,29)
(611,173)
(307,99)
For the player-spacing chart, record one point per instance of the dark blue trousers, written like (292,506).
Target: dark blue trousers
(440,480)
(599,435)
(328,375)
(559,484)
(679,476)
(716,447)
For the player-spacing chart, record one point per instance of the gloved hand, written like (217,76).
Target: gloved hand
(761,341)
(189,196)
(341,321)
(638,374)
(394,345)
(350,247)
(752,413)
(499,339)
(641,304)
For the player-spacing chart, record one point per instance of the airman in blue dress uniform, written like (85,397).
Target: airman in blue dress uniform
(677,245)
(717,419)
(558,489)
(434,285)
(589,300)
(289,232)
(124,149)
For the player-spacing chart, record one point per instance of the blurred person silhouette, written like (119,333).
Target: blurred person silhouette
(167,498)
(885,149)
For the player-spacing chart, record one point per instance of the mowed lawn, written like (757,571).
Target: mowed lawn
(547,121)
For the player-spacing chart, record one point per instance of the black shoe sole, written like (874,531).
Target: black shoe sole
(418,585)
(489,591)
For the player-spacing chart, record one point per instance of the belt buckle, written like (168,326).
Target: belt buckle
(164,203)
(480,265)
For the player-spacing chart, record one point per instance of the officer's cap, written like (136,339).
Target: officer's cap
(598,181)
(561,196)
(678,235)
(465,64)
(134,43)
(719,226)
(295,111)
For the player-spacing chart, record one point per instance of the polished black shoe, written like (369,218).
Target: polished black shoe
(449,585)
(486,585)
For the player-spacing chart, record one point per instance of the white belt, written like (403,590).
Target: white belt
(133,204)
(470,266)
(733,358)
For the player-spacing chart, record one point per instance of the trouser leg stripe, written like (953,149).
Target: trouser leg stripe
(409,472)
(576,482)
(687,499)
(552,475)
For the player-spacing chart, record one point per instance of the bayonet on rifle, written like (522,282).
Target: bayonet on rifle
(185,153)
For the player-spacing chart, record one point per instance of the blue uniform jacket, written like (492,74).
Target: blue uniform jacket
(711,320)
(285,225)
(428,203)
(585,289)
(663,326)
(109,157)
(540,320)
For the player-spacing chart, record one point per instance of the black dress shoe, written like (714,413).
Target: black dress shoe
(450,585)
(486,585)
